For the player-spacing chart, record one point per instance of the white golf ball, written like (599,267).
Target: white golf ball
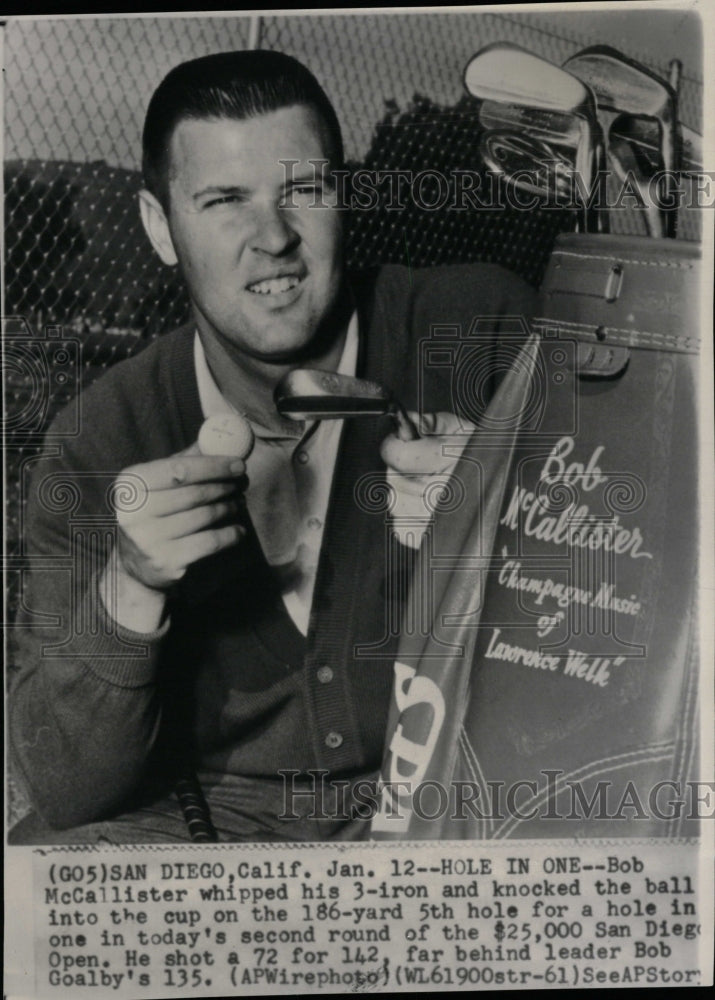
(226,434)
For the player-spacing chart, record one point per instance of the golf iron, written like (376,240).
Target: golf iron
(642,135)
(623,85)
(528,164)
(551,127)
(509,75)
(311,394)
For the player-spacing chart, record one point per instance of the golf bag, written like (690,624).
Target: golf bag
(556,694)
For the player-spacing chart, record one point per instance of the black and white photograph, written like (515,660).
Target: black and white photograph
(357,436)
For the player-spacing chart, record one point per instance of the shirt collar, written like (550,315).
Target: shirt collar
(213,401)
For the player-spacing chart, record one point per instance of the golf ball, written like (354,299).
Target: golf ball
(226,434)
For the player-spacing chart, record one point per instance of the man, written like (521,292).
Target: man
(231,619)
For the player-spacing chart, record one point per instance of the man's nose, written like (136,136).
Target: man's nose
(272,231)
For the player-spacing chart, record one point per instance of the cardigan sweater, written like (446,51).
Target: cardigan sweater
(102,719)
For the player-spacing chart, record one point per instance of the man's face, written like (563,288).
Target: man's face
(263,267)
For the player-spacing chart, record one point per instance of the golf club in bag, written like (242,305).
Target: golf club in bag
(506,74)
(529,164)
(622,85)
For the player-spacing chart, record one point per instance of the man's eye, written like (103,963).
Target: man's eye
(226,199)
(305,190)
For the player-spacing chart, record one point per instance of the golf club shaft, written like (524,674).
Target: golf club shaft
(675,70)
(626,168)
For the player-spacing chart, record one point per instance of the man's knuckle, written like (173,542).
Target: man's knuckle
(179,471)
(215,539)
(219,538)
(201,518)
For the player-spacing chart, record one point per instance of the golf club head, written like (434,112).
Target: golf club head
(312,394)
(642,135)
(529,164)
(508,74)
(623,85)
(511,75)
(551,127)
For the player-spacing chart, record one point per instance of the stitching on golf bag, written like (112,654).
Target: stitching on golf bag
(628,338)
(645,755)
(674,265)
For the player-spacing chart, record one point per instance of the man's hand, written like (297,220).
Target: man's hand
(186,510)
(415,470)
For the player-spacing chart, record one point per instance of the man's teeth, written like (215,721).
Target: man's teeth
(273,286)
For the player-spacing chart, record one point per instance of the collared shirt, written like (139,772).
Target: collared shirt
(289,481)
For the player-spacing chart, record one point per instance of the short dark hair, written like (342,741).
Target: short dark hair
(235,85)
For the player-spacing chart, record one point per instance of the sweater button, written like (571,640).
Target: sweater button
(333,740)
(325,675)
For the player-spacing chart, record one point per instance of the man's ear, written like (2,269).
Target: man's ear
(156,227)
